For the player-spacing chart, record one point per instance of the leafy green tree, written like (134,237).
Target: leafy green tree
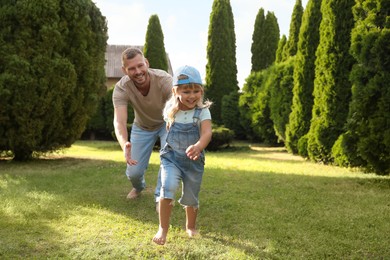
(290,49)
(366,141)
(221,68)
(245,104)
(51,74)
(231,114)
(264,40)
(280,49)
(154,48)
(332,88)
(302,104)
(254,108)
(281,84)
(262,123)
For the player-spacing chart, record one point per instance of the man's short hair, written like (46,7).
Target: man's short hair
(130,53)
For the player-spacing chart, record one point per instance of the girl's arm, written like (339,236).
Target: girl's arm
(193,151)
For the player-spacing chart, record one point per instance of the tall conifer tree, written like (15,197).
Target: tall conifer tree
(258,41)
(221,68)
(272,33)
(264,40)
(332,88)
(290,49)
(154,48)
(302,104)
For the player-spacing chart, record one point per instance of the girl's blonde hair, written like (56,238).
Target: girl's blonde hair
(172,105)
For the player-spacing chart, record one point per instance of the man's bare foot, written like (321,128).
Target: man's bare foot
(192,232)
(133,194)
(161,237)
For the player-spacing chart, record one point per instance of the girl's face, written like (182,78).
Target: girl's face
(188,96)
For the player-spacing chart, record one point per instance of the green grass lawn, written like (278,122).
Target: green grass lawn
(256,203)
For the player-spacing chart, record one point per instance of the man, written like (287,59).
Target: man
(146,90)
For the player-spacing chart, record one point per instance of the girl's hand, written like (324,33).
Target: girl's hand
(193,152)
(127,153)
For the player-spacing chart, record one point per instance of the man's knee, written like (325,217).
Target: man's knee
(133,172)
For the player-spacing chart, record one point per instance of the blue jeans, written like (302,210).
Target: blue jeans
(142,143)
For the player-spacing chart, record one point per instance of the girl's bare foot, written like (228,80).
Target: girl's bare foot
(160,237)
(192,232)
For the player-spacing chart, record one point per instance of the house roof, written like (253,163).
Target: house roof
(113,66)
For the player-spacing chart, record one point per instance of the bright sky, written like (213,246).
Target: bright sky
(185,27)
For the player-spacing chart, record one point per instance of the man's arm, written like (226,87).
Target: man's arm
(121,133)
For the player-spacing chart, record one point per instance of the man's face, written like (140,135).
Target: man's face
(137,69)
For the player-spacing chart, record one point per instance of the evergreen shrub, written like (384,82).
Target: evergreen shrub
(344,151)
(51,73)
(100,126)
(222,137)
(302,146)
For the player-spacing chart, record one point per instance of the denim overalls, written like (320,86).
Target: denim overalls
(176,166)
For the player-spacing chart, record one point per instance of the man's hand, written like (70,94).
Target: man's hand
(127,153)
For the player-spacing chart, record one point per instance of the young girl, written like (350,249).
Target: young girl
(182,158)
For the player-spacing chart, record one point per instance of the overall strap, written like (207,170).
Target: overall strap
(196,116)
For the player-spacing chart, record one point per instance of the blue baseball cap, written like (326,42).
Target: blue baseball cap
(185,75)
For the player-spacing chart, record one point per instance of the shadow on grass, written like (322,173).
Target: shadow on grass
(262,214)
(277,154)
(39,193)
(101,145)
(79,181)
(22,239)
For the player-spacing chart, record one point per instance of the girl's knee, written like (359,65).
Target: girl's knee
(192,202)
(169,188)
(166,193)
(167,201)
